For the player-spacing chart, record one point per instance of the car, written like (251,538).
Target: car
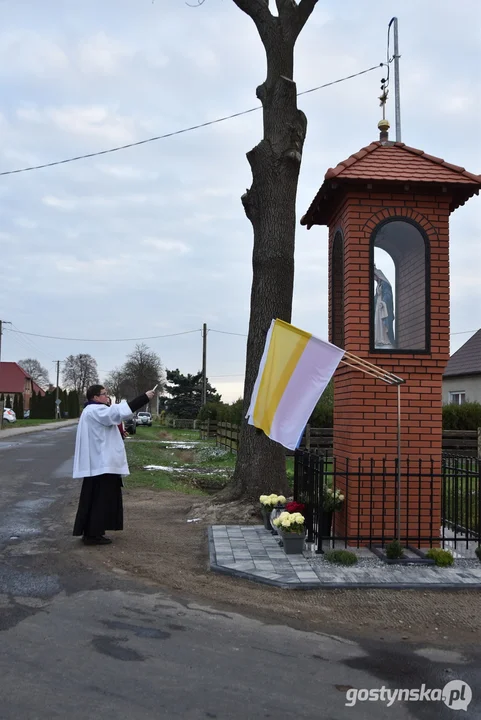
(9,416)
(144,418)
(130,425)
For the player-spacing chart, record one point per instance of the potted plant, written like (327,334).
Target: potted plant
(332,500)
(268,504)
(292,530)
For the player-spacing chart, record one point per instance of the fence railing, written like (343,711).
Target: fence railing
(437,508)
(460,442)
(182,423)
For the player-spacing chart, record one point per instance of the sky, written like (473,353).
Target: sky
(153,240)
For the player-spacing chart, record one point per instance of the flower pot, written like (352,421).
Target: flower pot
(293,543)
(266,516)
(325,524)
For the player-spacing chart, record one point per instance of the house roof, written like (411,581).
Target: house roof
(392,162)
(12,379)
(466,360)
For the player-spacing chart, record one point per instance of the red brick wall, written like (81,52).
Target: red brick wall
(365,409)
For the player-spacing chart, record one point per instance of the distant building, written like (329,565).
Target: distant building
(462,377)
(15,381)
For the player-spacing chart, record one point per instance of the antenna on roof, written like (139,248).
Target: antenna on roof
(395,58)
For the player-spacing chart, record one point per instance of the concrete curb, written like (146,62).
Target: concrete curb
(222,570)
(13,432)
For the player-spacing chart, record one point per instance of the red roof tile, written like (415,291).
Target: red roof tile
(398,163)
(12,379)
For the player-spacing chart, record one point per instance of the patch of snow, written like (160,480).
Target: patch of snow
(177,442)
(159,467)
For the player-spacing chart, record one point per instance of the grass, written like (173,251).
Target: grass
(26,423)
(195,470)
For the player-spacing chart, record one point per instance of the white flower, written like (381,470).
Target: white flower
(281,499)
(284,515)
(299,518)
(263,498)
(276,522)
(286,522)
(329,491)
(341,497)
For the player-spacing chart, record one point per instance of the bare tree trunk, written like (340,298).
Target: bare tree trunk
(270,206)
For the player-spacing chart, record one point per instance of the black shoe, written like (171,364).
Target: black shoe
(100,540)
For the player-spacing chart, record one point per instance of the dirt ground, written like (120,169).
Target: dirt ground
(159,546)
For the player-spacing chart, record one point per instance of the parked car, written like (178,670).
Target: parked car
(9,416)
(130,425)
(144,418)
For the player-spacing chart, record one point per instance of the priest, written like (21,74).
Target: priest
(100,459)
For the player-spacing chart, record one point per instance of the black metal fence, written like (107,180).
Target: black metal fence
(438,503)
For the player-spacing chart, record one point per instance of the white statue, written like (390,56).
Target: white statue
(383,313)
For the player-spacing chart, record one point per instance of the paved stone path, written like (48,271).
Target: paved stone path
(253,553)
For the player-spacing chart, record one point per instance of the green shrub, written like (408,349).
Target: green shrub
(341,557)
(478,553)
(442,558)
(462,417)
(394,551)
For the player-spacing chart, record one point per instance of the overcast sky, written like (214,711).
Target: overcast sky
(153,240)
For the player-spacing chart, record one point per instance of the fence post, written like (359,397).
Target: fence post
(479,443)
(308,437)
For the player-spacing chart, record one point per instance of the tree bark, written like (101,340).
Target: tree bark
(270,206)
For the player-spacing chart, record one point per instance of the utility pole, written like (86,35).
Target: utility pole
(204,364)
(2,323)
(57,404)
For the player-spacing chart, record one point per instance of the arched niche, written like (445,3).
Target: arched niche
(337,290)
(400,282)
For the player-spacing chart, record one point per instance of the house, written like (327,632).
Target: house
(462,377)
(15,381)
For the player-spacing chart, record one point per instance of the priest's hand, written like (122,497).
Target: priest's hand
(150,394)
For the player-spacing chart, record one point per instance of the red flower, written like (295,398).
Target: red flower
(293,507)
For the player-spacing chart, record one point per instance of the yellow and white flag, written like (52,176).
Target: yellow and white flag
(294,372)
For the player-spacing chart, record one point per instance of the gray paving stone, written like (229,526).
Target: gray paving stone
(253,551)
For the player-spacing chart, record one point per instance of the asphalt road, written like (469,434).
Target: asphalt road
(77,644)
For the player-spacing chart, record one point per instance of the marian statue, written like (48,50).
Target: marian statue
(383,312)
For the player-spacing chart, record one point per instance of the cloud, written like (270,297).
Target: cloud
(30,53)
(166,245)
(167,215)
(101,53)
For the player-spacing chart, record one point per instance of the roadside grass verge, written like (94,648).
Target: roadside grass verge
(26,423)
(195,469)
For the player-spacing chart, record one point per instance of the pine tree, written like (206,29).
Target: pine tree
(32,406)
(20,407)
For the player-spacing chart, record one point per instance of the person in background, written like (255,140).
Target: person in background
(100,459)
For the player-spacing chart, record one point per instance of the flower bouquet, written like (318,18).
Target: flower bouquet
(332,499)
(292,531)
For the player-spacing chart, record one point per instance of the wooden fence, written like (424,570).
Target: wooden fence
(457,442)
(183,423)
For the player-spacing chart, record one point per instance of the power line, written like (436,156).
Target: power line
(149,337)
(182,131)
(224,332)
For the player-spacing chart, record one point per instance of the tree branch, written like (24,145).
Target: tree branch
(259,11)
(304,10)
